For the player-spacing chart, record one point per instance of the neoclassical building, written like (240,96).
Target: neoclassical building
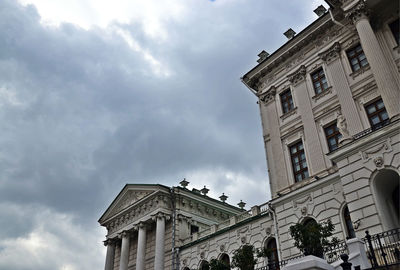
(330,110)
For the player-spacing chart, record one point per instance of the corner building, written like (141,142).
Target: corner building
(330,109)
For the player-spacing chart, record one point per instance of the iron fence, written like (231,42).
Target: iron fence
(332,253)
(383,249)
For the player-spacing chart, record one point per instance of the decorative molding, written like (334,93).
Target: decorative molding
(331,54)
(160,215)
(322,94)
(268,95)
(289,113)
(298,76)
(376,153)
(357,12)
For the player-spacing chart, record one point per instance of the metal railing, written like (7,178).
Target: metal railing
(332,253)
(383,249)
(371,129)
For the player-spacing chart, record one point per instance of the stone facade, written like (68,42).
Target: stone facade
(330,112)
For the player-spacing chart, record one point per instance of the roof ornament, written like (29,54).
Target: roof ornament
(223,197)
(263,55)
(290,33)
(184,183)
(204,190)
(320,10)
(241,204)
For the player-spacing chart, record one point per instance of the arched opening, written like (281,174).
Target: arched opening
(186,268)
(348,223)
(272,254)
(386,187)
(204,265)
(311,226)
(225,259)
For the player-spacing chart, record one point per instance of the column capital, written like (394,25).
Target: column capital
(331,54)
(160,215)
(124,234)
(109,241)
(268,95)
(298,76)
(140,225)
(357,12)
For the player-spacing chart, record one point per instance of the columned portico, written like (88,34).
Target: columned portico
(160,241)
(110,244)
(385,80)
(124,259)
(141,248)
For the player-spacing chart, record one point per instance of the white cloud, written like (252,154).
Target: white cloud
(55,242)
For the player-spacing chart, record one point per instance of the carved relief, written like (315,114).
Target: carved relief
(298,75)
(331,54)
(269,95)
(376,153)
(357,12)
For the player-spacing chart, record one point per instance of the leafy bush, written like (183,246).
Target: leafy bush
(243,258)
(312,237)
(218,265)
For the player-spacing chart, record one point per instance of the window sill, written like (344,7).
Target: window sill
(360,71)
(289,113)
(322,94)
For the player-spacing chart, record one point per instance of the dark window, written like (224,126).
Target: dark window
(319,81)
(273,260)
(394,27)
(357,58)
(205,265)
(299,162)
(225,259)
(332,136)
(377,114)
(349,223)
(194,229)
(287,101)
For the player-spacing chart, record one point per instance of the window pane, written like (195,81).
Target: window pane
(304,164)
(371,109)
(300,146)
(297,168)
(375,120)
(296,159)
(379,104)
(351,53)
(358,48)
(298,177)
(384,116)
(306,174)
(364,62)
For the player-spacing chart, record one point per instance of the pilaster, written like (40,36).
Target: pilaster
(339,82)
(316,160)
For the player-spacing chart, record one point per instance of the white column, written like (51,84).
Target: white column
(384,78)
(160,237)
(141,249)
(110,254)
(124,259)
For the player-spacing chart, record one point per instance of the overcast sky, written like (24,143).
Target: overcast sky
(95,94)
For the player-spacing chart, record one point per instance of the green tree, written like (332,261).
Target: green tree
(243,258)
(218,265)
(312,237)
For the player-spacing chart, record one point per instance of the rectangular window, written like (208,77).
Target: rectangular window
(299,162)
(193,229)
(332,136)
(319,81)
(287,101)
(377,114)
(357,58)
(394,27)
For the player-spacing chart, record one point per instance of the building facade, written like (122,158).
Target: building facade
(330,109)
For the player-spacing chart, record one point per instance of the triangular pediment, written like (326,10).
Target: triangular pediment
(129,195)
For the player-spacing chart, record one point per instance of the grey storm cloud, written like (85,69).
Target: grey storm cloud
(82,113)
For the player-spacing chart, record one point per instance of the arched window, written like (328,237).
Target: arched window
(204,265)
(311,225)
(349,224)
(225,259)
(386,192)
(186,268)
(272,254)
